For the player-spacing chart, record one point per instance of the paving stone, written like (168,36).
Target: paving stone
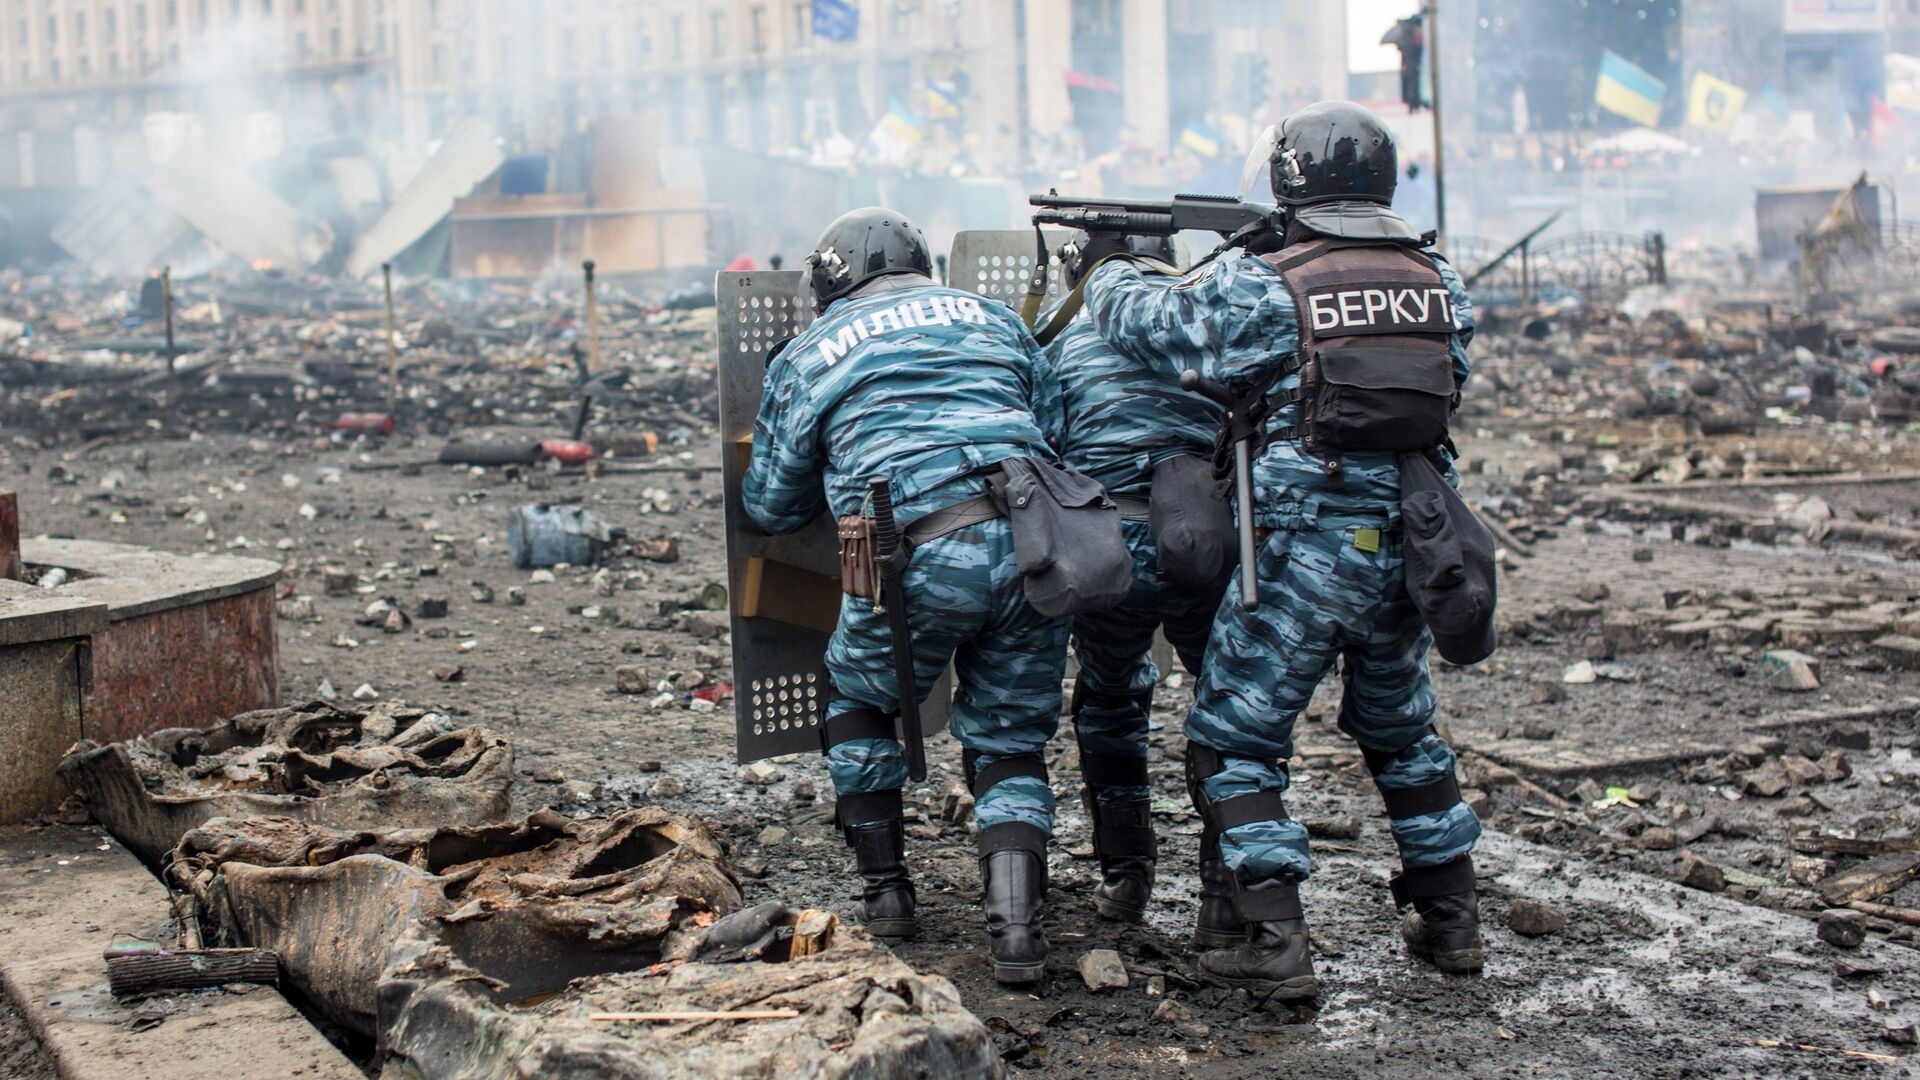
(1696,873)
(1790,670)
(1660,838)
(1531,918)
(760,774)
(631,679)
(1901,653)
(1843,928)
(1830,632)
(1102,969)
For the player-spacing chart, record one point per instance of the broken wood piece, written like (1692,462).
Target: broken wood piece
(1497,774)
(694,1016)
(1507,539)
(1885,911)
(812,932)
(159,969)
(1812,841)
(1772,1044)
(1876,877)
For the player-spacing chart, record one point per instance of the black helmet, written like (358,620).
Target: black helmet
(862,245)
(1328,152)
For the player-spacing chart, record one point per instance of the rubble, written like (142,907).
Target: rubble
(320,764)
(529,905)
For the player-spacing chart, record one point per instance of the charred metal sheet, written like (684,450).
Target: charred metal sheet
(466,157)
(525,907)
(862,1013)
(122,231)
(238,213)
(389,768)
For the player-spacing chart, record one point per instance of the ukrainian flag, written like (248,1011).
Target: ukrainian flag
(1627,89)
(1200,139)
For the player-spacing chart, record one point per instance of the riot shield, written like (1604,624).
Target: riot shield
(783,592)
(997,263)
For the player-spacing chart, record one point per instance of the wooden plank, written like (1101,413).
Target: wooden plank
(1874,878)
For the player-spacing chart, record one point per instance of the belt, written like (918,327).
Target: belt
(950,519)
(1365,537)
(1132,507)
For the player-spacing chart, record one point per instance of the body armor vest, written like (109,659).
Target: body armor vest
(1375,370)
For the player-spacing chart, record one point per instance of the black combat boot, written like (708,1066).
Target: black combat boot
(1217,927)
(1124,842)
(1444,925)
(880,851)
(1273,963)
(1013,874)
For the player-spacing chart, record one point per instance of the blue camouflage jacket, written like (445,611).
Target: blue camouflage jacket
(1234,321)
(925,385)
(1123,416)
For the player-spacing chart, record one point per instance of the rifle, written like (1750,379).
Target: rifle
(1223,214)
(891,557)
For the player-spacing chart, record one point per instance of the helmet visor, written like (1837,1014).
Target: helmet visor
(1256,178)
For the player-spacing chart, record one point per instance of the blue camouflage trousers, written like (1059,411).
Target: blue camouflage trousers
(1113,695)
(967,606)
(1325,597)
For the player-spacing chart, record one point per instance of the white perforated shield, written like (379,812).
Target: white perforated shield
(783,591)
(998,263)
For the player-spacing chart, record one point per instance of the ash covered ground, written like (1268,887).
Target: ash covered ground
(1675,834)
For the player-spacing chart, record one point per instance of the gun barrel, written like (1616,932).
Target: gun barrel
(1103,219)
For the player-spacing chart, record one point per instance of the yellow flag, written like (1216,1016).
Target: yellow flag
(1714,104)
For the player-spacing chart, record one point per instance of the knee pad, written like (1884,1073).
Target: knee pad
(1204,762)
(862,723)
(1434,797)
(981,779)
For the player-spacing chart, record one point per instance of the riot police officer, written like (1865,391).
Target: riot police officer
(931,388)
(1125,420)
(1324,321)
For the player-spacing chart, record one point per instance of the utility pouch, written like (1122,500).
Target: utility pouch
(1191,522)
(1450,570)
(859,572)
(1067,543)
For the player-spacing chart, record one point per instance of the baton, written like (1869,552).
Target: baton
(891,557)
(1192,382)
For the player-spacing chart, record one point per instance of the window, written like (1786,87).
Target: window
(113,63)
(53,70)
(380,38)
(80,27)
(266,7)
(139,19)
(300,48)
(717,33)
(22,28)
(109,25)
(299,7)
(757,28)
(679,37)
(53,35)
(333,42)
(173,13)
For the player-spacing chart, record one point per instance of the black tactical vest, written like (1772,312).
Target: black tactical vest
(1375,370)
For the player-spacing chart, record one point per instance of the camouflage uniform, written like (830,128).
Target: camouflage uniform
(1124,418)
(1329,586)
(929,387)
